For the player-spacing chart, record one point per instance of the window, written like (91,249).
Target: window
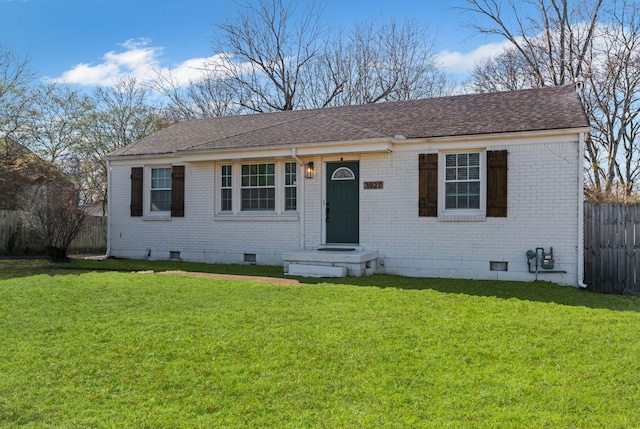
(462,181)
(226,189)
(463,186)
(343,173)
(290,186)
(160,189)
(258,191)
(166,191)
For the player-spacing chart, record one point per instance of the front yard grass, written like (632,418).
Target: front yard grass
(114,349)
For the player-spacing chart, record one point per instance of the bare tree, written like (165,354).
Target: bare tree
(126,114)
(268,44)
(51,214)
(123,114)
(554,44)
(327,76)
(612,99)
(393,61)
(15,78)
(377,61)
(595,43)
(53,127)
(275,55)
(507,71)
(208,97)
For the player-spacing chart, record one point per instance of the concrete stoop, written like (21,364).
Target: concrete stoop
(330,263)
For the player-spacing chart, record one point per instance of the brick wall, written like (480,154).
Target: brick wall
(542,212)
(199,236)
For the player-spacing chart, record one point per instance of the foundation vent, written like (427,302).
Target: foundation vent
(498,266)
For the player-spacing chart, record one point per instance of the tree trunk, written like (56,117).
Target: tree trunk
(57,254)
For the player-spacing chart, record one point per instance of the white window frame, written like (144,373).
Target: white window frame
(236,190)
(149,189)
(258,186)
(461,214)
(229,186)
(296,175)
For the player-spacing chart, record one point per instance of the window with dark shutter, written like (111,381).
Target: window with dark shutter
(136,191)
(497,183)
(177,191)
(428,185)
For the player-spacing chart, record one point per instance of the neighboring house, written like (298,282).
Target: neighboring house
(20,169)
(457,187)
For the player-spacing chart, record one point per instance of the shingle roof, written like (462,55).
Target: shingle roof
(475,114)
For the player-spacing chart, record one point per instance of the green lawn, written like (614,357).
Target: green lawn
(118,349)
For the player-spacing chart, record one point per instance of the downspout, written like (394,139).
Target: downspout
(302,196)
(581,283)
(108,209)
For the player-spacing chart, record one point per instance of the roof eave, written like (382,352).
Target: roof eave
(385,144)
(501,135)
(306,149)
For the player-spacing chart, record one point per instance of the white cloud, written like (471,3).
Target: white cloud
(85,74)
(138,59)
(194,69)
(463,63)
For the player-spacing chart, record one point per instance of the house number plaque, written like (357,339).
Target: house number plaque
(373,185)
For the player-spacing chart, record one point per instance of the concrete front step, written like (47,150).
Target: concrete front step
(304,270)
(357,262)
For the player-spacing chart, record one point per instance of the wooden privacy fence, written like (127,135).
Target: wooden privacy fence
(612,248)
(91,238)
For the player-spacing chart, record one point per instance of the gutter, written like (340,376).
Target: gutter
(581,283)
(302,196)
(108,254)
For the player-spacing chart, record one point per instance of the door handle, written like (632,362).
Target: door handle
(328,218)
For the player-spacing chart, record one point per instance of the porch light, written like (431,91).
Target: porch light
(309,170)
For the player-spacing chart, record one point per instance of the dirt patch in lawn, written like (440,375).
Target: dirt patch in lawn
(271,280)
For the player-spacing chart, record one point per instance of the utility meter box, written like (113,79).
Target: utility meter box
(547,261)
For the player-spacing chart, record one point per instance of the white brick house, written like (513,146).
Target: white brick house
(450,187)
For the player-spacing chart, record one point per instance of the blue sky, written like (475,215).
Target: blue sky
(91,42)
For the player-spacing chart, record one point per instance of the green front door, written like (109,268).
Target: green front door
(342,209)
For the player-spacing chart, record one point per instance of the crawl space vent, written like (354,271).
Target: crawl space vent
(250,257)
(498,266)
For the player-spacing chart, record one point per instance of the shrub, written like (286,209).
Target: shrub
(52,215)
